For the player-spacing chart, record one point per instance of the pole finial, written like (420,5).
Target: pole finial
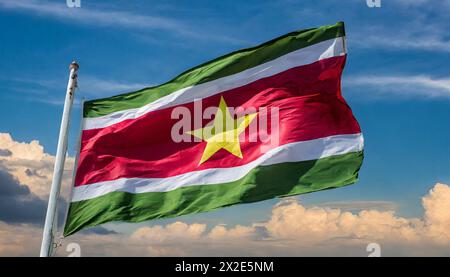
(74,65)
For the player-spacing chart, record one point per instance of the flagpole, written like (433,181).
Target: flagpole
(47,237)
(75,164)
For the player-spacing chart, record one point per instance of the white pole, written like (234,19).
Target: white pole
(47,238)
(75,164)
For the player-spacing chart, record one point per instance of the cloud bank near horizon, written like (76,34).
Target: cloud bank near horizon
(291,230)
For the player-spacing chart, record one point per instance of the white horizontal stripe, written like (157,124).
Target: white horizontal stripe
(293,152)
(322,50)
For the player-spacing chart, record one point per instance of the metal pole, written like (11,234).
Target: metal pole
(47,237)
(75,165)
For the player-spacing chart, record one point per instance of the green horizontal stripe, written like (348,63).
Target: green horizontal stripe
(223,66)
(263,182)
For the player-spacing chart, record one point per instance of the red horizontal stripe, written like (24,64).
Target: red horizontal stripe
(310,106)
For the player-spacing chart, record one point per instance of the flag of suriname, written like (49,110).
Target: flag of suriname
(263,122)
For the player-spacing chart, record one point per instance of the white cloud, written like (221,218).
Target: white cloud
(172,231)
(420,2)
(430,43)
(31,165)
(405,86)
(407,25)
(292,229)
(88,86)
(314,225)
(105,17)
(437,215)
(92,16)
(296,230)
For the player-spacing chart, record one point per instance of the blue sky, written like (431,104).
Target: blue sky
(396,80)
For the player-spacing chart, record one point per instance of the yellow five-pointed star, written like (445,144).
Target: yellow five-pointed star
(223,132)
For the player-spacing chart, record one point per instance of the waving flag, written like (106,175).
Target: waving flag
(258,123)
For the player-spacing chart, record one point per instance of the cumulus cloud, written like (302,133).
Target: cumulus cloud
(341,229)
(292,230)
(296,230)
(17,203)
(30,165)
(437,213)
(25,179)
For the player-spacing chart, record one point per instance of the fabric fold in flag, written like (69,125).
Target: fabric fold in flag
(263,122)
